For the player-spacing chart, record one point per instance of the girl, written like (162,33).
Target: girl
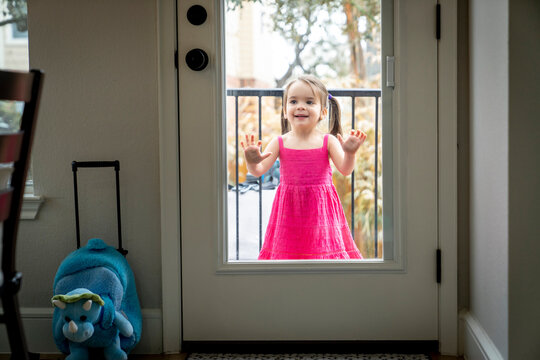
(307,220)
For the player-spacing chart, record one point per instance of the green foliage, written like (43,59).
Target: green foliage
(295,21)
(10,115)
(14,12)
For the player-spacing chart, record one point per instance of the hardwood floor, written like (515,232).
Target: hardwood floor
(446,357)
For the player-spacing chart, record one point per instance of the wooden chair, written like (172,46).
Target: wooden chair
(15,149)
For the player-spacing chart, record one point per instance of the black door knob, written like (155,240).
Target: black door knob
(196,15)
(197,59)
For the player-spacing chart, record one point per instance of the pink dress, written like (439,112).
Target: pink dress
(307,220)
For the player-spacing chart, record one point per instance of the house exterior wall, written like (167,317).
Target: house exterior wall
(13,51)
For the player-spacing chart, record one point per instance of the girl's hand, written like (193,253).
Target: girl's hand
(252,150)
(353,142)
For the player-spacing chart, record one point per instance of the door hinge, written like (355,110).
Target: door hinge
(176,59)
(439,270)
(390,66)
(438,22)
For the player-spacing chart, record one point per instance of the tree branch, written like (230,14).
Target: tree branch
(10,21)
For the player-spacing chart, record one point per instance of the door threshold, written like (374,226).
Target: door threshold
(336,347)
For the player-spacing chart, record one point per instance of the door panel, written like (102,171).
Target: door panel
(309,301)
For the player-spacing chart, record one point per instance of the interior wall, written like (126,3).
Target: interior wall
(489,168)
(100,102)
(524,179)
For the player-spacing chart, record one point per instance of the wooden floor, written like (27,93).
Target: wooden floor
(183,357)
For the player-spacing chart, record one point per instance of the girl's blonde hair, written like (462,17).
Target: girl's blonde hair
(326,99)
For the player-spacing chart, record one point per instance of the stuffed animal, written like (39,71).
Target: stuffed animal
(96,303)
(81,310)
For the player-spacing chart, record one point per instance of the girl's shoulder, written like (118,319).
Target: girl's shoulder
(274,143)
(333,143)
(332,139)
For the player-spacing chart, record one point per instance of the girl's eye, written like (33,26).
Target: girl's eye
(293,101)
(83,318)
(310,102)
(67,319)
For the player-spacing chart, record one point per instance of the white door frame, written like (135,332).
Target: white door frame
(169,172)
(170,169)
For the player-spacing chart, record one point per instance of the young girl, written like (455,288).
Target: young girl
(307,220)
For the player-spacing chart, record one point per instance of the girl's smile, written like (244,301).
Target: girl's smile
(303,107)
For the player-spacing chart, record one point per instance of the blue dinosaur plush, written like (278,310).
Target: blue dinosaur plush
(96,303)
(81,310)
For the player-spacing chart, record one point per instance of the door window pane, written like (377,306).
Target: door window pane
(269,43)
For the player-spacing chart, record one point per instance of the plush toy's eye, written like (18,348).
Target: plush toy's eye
(83,318)
(67,319)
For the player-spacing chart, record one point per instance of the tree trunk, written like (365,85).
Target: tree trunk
(357,62)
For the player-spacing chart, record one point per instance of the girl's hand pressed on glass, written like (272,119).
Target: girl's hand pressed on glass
(252,150)
(353,141)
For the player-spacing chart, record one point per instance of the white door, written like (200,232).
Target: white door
(386,299)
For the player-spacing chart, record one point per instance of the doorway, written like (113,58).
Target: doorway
(311,302)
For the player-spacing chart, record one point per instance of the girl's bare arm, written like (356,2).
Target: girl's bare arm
(343,152)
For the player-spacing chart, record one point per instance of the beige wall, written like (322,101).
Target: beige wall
(524,179)
(100,102)
(505,174)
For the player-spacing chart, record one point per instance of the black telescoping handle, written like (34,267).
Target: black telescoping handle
(75,165)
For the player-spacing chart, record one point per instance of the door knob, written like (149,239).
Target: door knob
(197,59)
(196,15)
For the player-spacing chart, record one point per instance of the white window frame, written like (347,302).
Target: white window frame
(10,39)
(394,258)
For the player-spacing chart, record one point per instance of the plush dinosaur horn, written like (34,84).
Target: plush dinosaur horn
(87,305)
(73,327)
(59,304)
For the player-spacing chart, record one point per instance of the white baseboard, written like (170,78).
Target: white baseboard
(37,324)
(477,344)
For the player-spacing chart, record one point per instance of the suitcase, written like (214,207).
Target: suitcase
(95,297)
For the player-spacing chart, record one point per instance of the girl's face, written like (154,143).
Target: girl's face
(303,108)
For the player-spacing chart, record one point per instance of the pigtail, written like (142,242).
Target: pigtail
(285,126)
(335,116)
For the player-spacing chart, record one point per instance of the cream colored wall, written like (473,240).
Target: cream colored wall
(100,102)
(505,173)
(524,179)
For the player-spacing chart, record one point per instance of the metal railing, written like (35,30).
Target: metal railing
(278,93)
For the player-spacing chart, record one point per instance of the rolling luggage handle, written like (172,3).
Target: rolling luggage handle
(75,165)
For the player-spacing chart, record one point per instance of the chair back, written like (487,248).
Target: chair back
(15,147)
(16,137)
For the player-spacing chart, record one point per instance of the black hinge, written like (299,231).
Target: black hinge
(439,270)
(176,59)
(438,24)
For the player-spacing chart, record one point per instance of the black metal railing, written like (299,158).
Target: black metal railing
(278,93)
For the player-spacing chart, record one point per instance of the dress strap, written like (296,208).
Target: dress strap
(280,142)
(325,142)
